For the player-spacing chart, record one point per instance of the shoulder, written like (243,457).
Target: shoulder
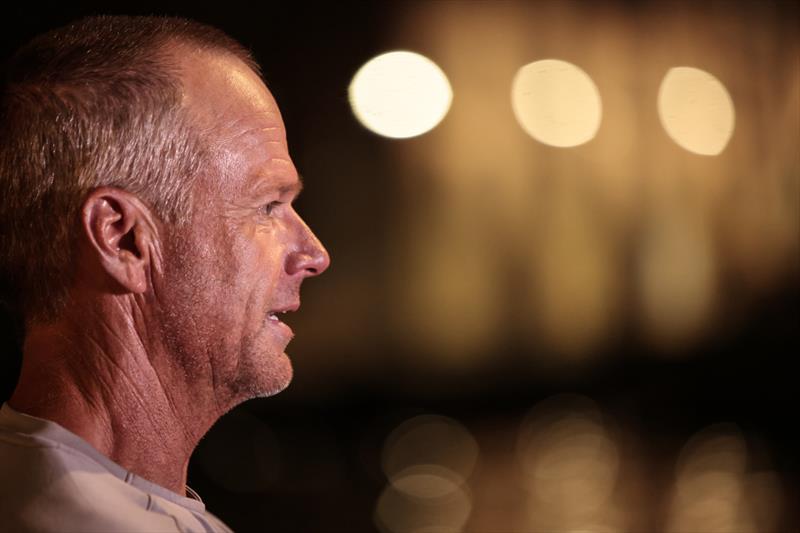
(49,487)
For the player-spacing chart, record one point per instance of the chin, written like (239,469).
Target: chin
(261,379)
(278,381)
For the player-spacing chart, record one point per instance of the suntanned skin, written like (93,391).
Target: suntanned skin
(168,328)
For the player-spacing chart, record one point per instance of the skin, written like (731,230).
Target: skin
(169,328)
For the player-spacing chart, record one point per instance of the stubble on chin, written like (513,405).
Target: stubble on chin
(260,376)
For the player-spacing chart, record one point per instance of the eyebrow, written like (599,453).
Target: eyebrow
(262,187)
(296,187)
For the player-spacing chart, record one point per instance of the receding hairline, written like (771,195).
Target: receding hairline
(179,46)
(187,63)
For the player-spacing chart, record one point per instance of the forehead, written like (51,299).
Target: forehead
(239,118)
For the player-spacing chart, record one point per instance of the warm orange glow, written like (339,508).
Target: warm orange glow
(557,251)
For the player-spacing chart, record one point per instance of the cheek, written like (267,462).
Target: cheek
(233,273)
(266,248)
(257,266)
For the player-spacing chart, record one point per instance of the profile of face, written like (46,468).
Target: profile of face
(230,275)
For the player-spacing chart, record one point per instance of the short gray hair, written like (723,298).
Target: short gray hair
(95,103)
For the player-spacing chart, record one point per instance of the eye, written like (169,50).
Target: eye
(267,209)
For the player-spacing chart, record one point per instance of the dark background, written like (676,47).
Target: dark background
(330,424)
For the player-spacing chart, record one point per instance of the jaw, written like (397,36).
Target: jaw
(260,376)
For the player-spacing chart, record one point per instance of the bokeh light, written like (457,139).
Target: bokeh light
(715,489)
(445,510)
(696,110)
(430,440)
(427,460)
(556,103)
(569,461)
(564,253)
(400,94)
(426,481)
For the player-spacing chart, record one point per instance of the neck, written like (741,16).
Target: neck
(105,386)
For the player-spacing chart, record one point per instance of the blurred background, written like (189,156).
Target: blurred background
(565,281)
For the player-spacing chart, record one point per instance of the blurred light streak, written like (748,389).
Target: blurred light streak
(468,190)
(614,181)
(429,440)
(576,274)
(452,308)
(696,110)
(569,460)
(677,275)
(556,103)
(400,94)
(760,222)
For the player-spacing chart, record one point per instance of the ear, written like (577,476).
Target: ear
(119,230)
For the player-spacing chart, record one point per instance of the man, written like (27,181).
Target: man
(147,226)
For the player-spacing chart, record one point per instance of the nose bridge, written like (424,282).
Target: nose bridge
(310,255)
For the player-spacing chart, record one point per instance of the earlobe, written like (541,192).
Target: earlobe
(117,229)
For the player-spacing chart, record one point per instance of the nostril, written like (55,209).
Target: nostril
(306,264)
(310,258)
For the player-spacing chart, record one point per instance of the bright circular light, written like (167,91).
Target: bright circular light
(556,103)
(400,94)
(696,110)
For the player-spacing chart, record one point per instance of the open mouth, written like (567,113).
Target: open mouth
(274,316)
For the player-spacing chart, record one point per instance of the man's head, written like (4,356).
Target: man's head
(143,160)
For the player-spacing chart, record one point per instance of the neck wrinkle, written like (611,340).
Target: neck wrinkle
(106,386)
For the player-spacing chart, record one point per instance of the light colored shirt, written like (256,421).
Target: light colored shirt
(51,480)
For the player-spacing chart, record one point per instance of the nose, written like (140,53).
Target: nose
(310,258)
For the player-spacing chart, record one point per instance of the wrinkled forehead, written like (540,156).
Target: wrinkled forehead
(237,116)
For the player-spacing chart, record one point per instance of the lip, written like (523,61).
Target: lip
(291,308)
(279,324)
(283,327)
